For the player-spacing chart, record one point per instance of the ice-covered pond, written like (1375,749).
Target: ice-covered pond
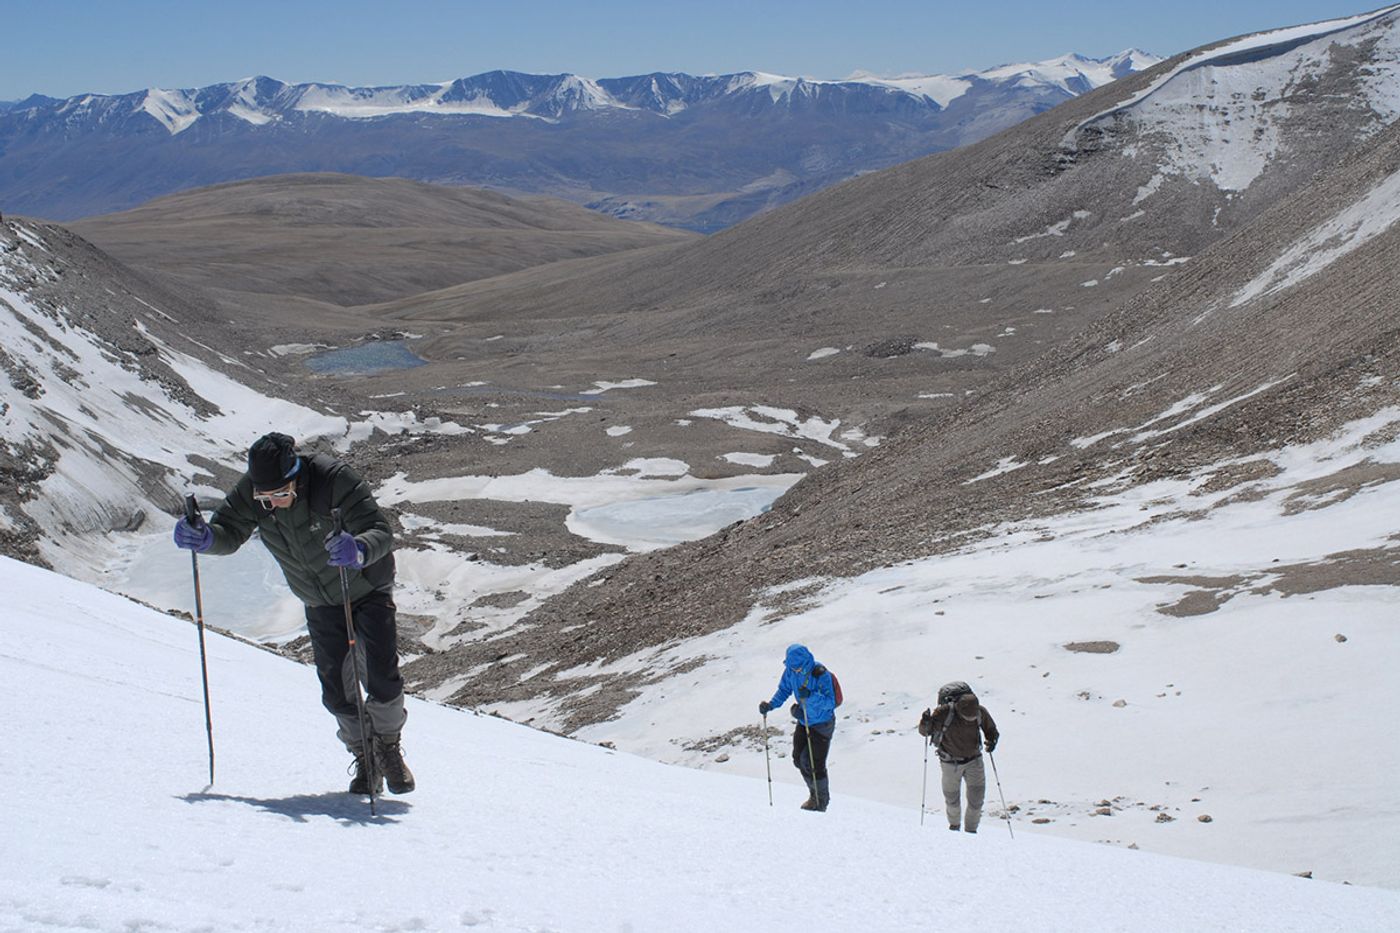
(660,521)
(376,357)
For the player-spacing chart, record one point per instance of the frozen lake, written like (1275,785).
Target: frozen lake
(661,521)
(377,357)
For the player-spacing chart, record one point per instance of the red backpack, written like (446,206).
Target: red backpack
(821,669)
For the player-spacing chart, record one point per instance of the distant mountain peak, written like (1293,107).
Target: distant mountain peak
(259,124)
(260,100)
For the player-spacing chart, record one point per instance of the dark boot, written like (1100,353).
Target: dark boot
(388,756)
(823,794)
(811,802)
(359,782)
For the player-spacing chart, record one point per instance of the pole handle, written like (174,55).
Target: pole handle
(192,515)
(338,522)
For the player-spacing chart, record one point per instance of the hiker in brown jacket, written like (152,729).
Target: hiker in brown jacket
(955,728)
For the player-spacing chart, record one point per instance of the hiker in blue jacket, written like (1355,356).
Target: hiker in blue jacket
(815,712)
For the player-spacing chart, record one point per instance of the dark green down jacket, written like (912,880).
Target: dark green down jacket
(296,535)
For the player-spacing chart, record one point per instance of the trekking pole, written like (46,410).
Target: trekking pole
(767,762)
(811,756)
(923,797)
(1003,796)
(366,746)
(195,520)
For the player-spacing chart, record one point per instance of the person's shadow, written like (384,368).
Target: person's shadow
(346,809)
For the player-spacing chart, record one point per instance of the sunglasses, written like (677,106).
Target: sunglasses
(269,498)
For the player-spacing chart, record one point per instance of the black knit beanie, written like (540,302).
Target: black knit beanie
(272,460)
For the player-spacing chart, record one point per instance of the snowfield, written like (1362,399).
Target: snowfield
(109,824)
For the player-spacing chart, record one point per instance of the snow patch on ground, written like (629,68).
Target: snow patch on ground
(977,349)
(1371,215)
(297,349)
(787,423)
(1005,465)
(432,527)
(1055,229)
(600,387)
(761,461)
(500,434)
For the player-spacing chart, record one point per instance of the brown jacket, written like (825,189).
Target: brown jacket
(960,740)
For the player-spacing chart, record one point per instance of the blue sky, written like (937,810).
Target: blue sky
(66,47)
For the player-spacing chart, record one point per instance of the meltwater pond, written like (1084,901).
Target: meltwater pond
(661,521)
(376,357)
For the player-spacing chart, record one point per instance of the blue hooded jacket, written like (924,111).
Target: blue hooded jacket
(815,695)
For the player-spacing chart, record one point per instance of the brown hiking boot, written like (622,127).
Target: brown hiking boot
(388,756)
(359,782)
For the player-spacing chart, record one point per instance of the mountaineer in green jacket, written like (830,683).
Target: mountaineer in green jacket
(287,498)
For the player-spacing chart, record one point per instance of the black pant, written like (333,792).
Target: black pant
(812,766)
(377,633)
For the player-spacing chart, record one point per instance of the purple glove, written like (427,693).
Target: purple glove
(193,539)
(344,550)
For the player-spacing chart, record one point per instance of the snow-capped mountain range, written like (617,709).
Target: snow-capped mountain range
(260,100)
(693,151)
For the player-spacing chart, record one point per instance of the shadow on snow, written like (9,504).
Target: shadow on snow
(342,807)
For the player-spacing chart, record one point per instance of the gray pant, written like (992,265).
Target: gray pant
(377,637)
(975,773)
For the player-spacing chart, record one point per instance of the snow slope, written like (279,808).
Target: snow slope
(109,826)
